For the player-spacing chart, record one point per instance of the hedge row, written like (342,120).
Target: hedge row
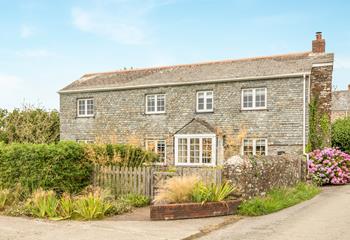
(63,167)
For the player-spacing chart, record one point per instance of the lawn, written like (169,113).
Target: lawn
(277,199)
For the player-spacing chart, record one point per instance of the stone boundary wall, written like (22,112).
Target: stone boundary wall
(256,175)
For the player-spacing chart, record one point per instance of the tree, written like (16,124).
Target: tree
(341,134)
(3,135)
(30,125)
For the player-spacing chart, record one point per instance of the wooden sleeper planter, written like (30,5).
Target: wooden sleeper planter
(193,210)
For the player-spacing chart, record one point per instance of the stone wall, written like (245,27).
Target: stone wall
(120,115)
(255,176)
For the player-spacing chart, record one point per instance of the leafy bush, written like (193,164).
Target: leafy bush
(119,154)
(341,134)
(329,166)
(43,204)
(61,167)
(29,125)
(189,188)
(135,200)
(176,190)
(91,207)
(277,199)
(212,192)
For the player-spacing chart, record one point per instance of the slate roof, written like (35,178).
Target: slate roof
(341,100)
(197,126)
(200,72)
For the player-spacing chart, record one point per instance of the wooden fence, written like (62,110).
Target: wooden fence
(141,180)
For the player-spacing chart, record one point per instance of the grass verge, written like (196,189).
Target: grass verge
(277,199)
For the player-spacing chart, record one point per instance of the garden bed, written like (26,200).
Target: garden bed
(193,210)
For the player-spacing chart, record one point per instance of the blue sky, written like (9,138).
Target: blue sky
(45,44)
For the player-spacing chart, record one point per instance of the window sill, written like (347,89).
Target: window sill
(92,116)
(155,113)
(200,112)
(194,165)
(253,109)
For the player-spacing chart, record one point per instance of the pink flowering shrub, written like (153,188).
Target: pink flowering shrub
(329,166)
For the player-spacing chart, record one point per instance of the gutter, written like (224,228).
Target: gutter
(104,89)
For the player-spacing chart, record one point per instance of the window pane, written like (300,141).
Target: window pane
(160,103)
(182,150)
(81,107)
(90,106)
(248,98)
(151,104)
(200,103)
(206,150)
(209,104)
(161,150)
(194,150)
(248,147)
(260,148)
(260,97)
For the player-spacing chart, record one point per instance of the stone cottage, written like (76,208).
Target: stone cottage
(203,113)
(341,104)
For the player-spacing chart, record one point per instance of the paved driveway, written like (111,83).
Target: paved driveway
(326,216)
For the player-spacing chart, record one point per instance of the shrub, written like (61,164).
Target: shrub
(277,199)
(212,192)
(4,198)
(43,204)
(119,154)
(61,167)
(135,200)
(176,190)
(329,166)
(91,206)
(341,134)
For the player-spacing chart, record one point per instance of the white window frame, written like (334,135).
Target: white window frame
(200,136)
(85,107)
(155,104)
(254,145)
(156,148)
(254,99)
(205,101)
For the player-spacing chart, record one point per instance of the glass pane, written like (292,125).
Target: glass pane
(182,150)
(209,104)
(90,107)
(201,103)
(194,150)
(151,104)
(151,145)
(206,150)
(248,98)
(260,97)
(260,147)
(248,147)
(161,150)
(81,107)
(160,103)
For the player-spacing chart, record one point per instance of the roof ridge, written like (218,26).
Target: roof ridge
(199,63)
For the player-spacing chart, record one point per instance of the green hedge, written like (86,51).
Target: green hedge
(341,134)
(61,167)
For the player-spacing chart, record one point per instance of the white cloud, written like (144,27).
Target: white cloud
(26,31)
(124,21)
(108,26)
(34,53)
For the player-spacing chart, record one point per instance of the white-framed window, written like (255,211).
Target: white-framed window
(205,101)
(196,149)
(254,146)
(254,98)
(158,147)
(85,141)
(85,107)
(155,103)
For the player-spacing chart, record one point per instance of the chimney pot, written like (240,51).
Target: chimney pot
(318,45)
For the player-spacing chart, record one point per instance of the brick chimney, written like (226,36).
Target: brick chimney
(318,45)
